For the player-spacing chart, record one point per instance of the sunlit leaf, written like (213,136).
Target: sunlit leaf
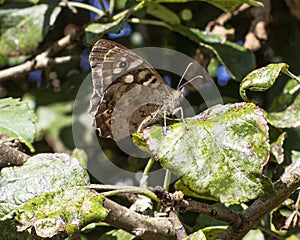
(220,151)
(214,232)
(117,235)
(17,121)
(263,78)
(41,173)
(277,149)
(199,235)
(63,211)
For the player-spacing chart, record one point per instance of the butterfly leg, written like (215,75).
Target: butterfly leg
(179,109)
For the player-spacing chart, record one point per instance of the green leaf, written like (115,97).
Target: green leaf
(229,54)
(285,109)
(41,173)
(199,235)
(23,29)
(221,151)
(179,186)
(277,149)
(163,13)
(52,119)
(263,78)
(17,121)
(254,234)
(295,156)
(231,5)
(117,235)
(63,211)
(225,5)
(214,233)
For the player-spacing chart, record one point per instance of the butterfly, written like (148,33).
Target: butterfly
(128,93)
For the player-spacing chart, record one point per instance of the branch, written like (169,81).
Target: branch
(142,226)
(257,34)
(288,183)
(215,212)
(10,156)
(44,59)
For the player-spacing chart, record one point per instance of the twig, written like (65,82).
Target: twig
(179,229)
(44,59)
(10,156)
(225,17)
(142,226)
(284,187)
(258,33)
(215,212)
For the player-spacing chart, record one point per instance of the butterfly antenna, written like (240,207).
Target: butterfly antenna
(185,71)
(189,81)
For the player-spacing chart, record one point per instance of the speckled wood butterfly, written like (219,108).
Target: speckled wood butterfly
(129,94)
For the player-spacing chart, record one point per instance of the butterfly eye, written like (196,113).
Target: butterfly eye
(122,64)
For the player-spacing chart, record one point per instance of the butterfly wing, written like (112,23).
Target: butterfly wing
(116,71)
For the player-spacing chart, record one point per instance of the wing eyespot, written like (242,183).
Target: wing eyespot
(122,64)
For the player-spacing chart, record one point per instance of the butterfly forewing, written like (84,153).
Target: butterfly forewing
(122,80)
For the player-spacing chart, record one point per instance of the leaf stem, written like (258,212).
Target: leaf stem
(123,189)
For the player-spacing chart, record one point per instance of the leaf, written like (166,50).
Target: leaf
(277,149)
(199,235)
(94,30)
(53,118)
(23,29)
(263,78)
(17,121)
(225,5)
(285,111)
(161,12)
(220,151)
(214,232)
(117,235)
(229,54)
(295,156)
(63,211)
(41,173)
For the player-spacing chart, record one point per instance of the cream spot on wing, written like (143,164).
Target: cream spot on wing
(150,80)
(117,70)
(128,78)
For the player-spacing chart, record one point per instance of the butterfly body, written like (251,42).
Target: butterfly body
(129,94)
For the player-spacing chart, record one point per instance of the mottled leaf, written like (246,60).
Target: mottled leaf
(263,78)
(17,121)
(63,211)
(220,151)
(41,173)
(23,29)
(277,149)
